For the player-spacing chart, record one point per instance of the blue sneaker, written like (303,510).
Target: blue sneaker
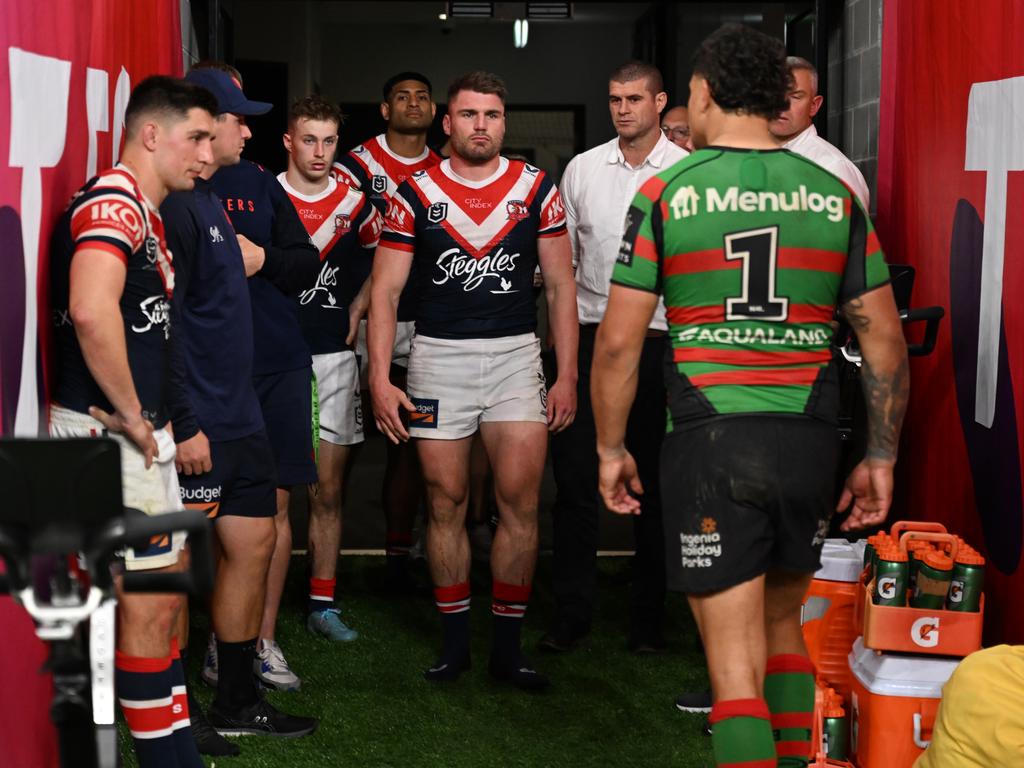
(328,624)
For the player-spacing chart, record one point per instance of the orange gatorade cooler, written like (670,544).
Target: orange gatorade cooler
(827,615)
(892,705)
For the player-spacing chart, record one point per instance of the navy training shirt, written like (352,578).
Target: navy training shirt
(261,211)
(211,321)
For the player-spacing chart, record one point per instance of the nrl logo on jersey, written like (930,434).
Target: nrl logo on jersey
(437,213)
(379,184)
(687,200)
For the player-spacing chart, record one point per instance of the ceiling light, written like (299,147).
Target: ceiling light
(520,33)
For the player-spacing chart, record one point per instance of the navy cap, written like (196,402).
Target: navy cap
(229,96)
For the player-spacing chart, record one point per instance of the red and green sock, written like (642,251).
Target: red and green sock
(741,734)
(789,691)
(321,594)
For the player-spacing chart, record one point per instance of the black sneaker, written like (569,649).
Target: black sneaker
(208,741)
(261,719)
(521,674)
(694,702)
(447,670)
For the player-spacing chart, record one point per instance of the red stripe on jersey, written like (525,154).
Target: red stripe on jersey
(872,243)
(86,244)
(812,258)
(748,356)
(792,748)
(652,188)
(715,313)
(766,377)
(645,249)
(698,261)
(386,241)
(769,763)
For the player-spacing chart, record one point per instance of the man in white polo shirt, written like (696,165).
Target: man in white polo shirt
(597,188)
(798,134)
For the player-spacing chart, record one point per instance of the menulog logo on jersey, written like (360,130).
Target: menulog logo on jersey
(687,201)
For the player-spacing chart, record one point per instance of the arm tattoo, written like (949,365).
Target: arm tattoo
(853,310)
(885,394)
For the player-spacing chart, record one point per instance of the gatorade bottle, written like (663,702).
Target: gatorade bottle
(916,550)
(933,577)
(891,577)
(834,730)
(967,582)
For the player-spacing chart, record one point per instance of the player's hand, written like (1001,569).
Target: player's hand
(355,316)
(134,427)
(193,457)
(869,487)
(253,256)
(616,477)
(388,400)
(561,405)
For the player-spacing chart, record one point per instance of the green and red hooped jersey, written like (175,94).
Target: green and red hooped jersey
(752,250)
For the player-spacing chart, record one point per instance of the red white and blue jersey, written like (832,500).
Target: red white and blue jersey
(345,228)
(376,171)
(474,246)
(111,214)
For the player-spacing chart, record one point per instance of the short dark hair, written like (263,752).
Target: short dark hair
(166,97)
(639,70)
(746,70)
(227,69)
(394,80)
(480,82)
(314,107)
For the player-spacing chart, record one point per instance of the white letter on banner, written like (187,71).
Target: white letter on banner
(39,118)
(96,113)
(122,90)
(995,144)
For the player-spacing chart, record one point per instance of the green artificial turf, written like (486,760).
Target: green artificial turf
(606,707)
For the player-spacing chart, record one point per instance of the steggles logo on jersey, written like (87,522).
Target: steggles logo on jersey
(342,223)
(454,264)
(156,310)
(437,213)
(379,184)
(686,201)
(327,279)
(517,210)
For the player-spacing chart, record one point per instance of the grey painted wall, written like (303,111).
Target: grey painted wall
(855,82)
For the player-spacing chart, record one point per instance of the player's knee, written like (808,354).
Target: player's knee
(151,614)
(326,502)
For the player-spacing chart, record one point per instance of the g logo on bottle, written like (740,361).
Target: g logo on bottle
(925,631)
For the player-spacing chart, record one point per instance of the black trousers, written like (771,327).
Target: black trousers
(575,524)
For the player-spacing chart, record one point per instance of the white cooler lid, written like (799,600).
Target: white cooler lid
(841,560)
(897,674)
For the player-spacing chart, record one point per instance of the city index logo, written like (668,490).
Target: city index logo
(687,202)
(425,415)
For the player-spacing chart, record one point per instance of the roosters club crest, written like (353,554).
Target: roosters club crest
(517,210)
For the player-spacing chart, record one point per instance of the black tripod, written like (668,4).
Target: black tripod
(63,516)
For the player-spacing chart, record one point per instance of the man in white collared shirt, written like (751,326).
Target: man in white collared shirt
(597,189)
(798,134)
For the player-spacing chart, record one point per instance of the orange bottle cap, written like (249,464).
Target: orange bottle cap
(969,556)
(938,561)
(893,554)
(834,709)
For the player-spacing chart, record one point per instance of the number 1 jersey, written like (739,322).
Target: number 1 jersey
(752,250)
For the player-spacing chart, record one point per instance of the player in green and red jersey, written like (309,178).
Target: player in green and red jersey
(753,249)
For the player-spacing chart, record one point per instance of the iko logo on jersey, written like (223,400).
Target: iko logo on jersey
(124,216)
(156,310)
(456,265)
(687,201)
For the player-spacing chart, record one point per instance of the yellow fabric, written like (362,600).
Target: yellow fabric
(980,722)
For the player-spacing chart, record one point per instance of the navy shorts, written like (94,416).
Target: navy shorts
(242,482)
(744,495)
(286,401)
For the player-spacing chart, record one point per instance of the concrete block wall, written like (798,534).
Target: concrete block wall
(855,79)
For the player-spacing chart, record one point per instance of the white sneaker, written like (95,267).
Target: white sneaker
(209,673)
(272,668)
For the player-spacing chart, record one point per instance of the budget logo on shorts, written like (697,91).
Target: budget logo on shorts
(379,184)
(425,415)
(517,210)
(437,213)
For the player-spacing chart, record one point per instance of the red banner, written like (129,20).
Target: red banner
(950,192)
(66,70)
